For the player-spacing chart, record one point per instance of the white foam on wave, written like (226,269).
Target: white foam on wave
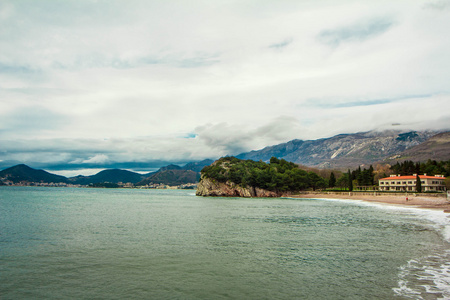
(439,220)
(429,275)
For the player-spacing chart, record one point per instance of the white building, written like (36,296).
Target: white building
(408,183)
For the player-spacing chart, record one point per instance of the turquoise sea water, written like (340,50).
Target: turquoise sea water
(62,243)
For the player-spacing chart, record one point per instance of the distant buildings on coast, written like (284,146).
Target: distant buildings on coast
(48,184)
(119,185)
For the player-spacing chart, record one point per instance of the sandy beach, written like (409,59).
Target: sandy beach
(431,202)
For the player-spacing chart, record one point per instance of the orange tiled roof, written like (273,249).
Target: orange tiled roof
(409,177)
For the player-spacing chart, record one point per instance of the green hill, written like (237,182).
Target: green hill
(23,173)
(112,176)
(171,177)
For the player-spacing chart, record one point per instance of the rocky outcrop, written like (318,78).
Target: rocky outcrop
(210,187)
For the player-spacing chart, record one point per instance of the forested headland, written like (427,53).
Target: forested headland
(282,176)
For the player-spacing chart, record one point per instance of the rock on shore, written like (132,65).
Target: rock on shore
(211,187)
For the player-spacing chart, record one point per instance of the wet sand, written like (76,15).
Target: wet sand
(431,202)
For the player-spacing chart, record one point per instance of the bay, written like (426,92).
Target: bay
(64,243)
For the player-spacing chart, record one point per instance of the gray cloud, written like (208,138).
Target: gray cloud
(30,120)
(229,139)
(356,32)
(17,69)
(95,83)
(282,44)
(438,5)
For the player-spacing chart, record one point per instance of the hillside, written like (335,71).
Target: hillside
(436,148)
(343,151)
(112,176)
(171,177)
(23,173)
(198,166)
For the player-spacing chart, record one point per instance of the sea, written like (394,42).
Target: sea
(81,243)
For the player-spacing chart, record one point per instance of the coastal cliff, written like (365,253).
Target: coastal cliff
(210,187)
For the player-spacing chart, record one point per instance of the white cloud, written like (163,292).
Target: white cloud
(97,159)
(240,75)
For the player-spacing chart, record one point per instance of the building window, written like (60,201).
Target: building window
(409,182)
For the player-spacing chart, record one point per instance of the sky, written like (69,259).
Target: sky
(86,85)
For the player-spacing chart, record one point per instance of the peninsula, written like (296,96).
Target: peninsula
(233,177)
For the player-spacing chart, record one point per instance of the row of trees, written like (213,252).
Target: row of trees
(366,177)
(430,167)
(281,175)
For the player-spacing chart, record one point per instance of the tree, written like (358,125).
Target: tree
(371,175)
(274,160)
(447,183)
(332,181)
(418,184)
(350,183)
(315,181)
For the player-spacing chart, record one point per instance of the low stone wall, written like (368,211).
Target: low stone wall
(376,193)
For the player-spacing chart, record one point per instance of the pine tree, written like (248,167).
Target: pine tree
(332,180)
(371,175)
(350,183)
(418,184)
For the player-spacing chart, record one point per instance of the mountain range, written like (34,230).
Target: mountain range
(339,152)
(351,150)
(169,175)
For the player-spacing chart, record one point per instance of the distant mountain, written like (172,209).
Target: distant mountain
(169,167)
(176,175)
(23,173)
(435,148)
(112,176)
(198,166)
(171,177)
(344,150)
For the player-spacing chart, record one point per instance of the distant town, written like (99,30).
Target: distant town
(127,185)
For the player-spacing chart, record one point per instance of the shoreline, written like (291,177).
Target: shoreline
(429,202)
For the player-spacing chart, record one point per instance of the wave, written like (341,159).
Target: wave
(427,277)
(440,220)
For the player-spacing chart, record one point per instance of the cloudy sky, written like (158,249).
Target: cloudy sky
(136,84)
